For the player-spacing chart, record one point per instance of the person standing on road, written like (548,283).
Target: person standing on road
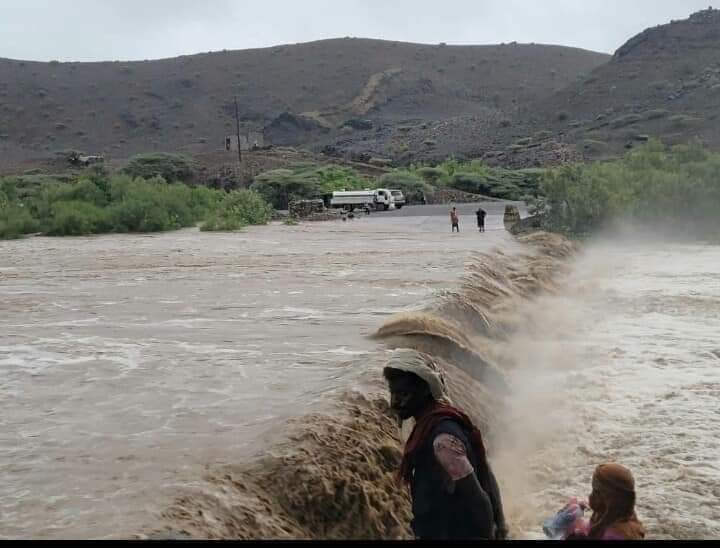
(455,220)
(481,214)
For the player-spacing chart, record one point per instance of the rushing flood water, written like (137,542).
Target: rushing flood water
(132,363)
(623,365)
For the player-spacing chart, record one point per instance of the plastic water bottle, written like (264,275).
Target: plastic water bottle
(562,524)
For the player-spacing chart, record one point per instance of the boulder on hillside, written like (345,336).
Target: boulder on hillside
(290,129)
(358,124)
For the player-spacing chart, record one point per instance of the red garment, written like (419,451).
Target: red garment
(424,428)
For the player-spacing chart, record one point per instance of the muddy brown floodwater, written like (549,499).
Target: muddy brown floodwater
(131,362)
(622,365)
(132,365)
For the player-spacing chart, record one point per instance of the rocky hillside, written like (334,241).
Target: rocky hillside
(515,105)
(303,94)
(664,82)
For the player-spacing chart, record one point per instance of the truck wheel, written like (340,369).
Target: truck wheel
(398,207)
(387,206)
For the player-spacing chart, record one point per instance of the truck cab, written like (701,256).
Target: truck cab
(399,198)
(384,199)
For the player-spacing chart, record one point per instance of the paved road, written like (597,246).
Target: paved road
(492,208)
(434,218)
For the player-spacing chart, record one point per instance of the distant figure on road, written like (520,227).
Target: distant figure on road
(455,220)
(481,214)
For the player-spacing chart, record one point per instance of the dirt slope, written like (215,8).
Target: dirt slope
(185,103)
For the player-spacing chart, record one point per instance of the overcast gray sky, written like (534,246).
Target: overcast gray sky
(92,30)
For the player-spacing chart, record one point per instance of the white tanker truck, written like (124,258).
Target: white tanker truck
(378,199)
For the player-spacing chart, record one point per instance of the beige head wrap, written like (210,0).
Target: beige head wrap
(422,365)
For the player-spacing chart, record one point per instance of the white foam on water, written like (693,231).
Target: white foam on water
(70,323)
(603,377)
(342,351)
(216,350)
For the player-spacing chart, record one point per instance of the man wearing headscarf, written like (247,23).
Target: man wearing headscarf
(454,491)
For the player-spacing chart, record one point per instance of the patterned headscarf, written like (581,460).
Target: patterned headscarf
(422,365)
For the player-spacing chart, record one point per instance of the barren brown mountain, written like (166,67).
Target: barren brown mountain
(303,94)
(664,82)
(510,104)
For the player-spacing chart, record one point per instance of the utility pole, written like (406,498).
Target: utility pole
(237,120)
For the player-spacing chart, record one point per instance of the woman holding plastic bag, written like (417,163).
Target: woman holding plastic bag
(612,502)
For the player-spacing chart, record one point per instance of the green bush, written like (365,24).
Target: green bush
(473,177)
(334,178)
(171,167)
(75,218)
(498,183)
(474,183)
(150,206)
(140,213)
(16,221)
(412,185)
(203,200)
(506,192)
(652,184)
(450,166)
(431,175)
(238,209)
(98,203)
(84,191)
(279,187)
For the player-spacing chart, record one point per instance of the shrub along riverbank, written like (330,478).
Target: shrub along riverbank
(677,188)
(98,203)
(302,182)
